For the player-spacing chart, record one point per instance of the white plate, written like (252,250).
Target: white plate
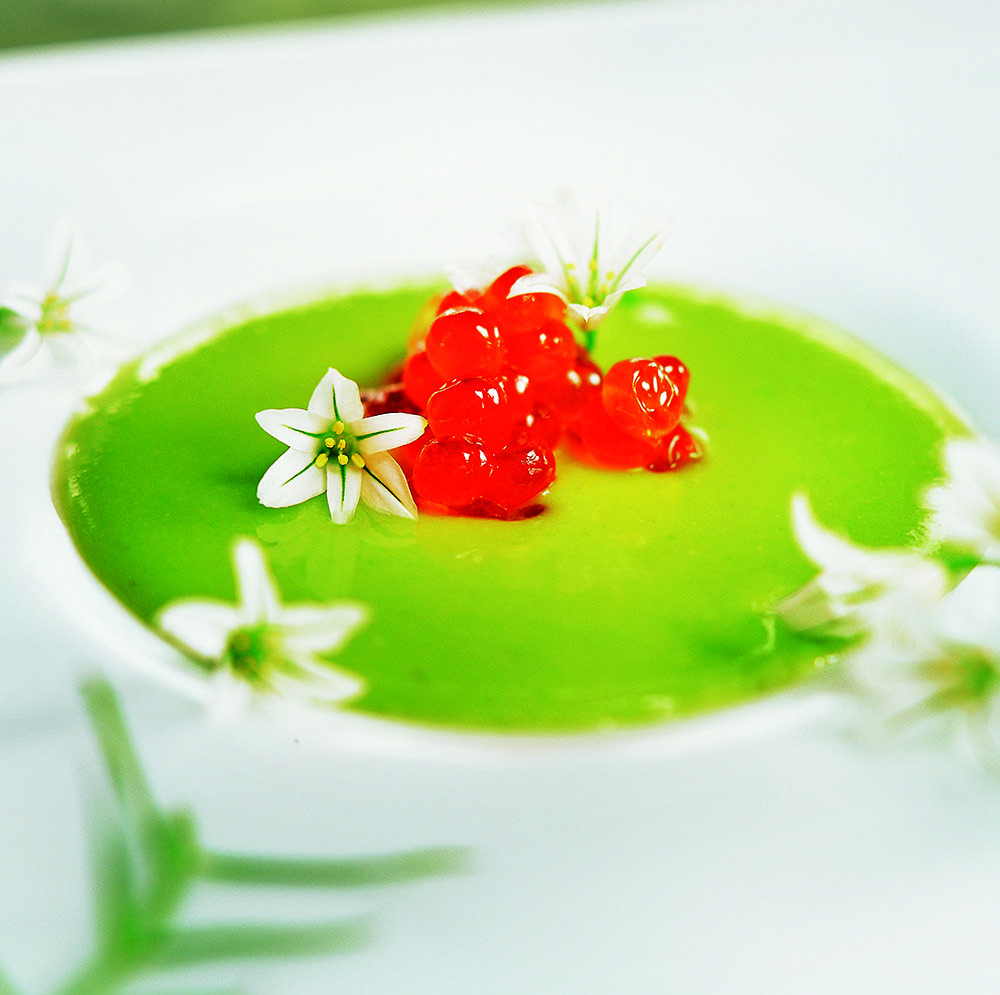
(839,157)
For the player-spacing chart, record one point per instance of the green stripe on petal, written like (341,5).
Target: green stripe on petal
(388,431)
(384,487)
(291,479)
(343,491)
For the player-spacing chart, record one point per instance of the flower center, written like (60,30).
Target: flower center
(252,651)
(340,445)
(55,318)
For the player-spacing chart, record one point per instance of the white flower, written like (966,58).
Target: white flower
(953,667)
(263,643)
(54,315)
(578,268)
(923,644)
(965,508)
(882,594)
(334,448)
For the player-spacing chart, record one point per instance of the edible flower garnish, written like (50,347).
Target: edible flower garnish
(36,321)
(966,506)
(859,591)
(261,642)
(921,634)
(334,448)
(580,270)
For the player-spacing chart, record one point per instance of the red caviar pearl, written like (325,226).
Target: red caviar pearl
(677,371)
(544,352)
(675,450)
(641,399)
(465,343)
(475,409)
(525,312)
(608,444)
(520,474)
(567,395)
(520,395)
(496,293)
(451,472)
(420,379)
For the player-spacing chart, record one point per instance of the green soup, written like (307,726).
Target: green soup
(635,596)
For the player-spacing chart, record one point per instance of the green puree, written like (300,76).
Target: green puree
(635,596)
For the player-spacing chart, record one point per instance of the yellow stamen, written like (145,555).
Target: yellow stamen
(343,460)
(357,460)
(338,428)
(329,442)
(342,445)
(321,460)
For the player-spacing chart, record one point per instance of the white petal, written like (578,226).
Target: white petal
(291,479)
(635,251)
(258,594)
(110,281)
(589,316)
(30,358)
(388,431)
(23,299)
(315,629)
(321,682)
(230,696)
(966,506)
(343,489)
(466,279)
(832,553)
(384,487)
(970,613)
(336,397)
(202,626)
(537,283)
(294,427)
(553,246)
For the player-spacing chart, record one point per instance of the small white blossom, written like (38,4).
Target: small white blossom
(953,665)
(965,507)
(883,594)
(578,267)
(53,316)
(923,643)
(334,448)
(263,644)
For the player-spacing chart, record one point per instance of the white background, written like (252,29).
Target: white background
(840,157)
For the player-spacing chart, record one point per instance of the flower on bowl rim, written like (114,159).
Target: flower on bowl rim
(859,592)
(262,643)
(965,506)
(53,313)
(334,448)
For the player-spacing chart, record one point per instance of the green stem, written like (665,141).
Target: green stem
(340,873)
(120,758)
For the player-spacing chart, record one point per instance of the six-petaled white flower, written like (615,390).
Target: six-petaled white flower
(334,448)
(578,267)
(881,594)
(37,321)
(263,643)
(924,640)
(965,507)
